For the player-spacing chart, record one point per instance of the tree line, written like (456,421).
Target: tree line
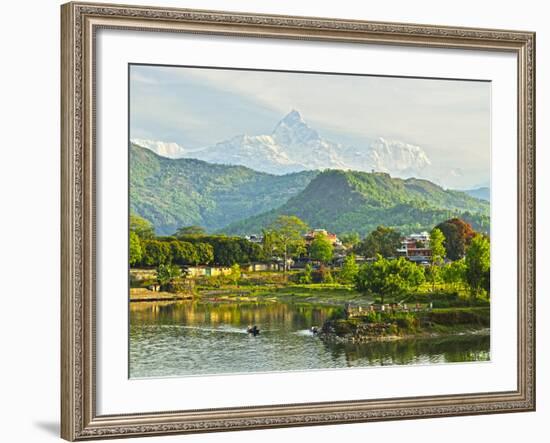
(453,239)
(188,246)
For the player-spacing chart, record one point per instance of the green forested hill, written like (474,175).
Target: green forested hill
(348,201)
(175,193)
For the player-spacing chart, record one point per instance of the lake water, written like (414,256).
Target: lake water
(192,338)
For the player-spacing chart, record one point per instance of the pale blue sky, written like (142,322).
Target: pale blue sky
(197,107)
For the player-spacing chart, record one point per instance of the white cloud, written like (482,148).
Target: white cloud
(449,119)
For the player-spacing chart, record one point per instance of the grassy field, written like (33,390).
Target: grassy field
(275,286)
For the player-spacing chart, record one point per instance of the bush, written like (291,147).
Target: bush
(322,275)
(480,317)
(407,322)
(443,299)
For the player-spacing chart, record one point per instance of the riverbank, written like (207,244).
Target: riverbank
(382,326)
(145,295)
(330,294)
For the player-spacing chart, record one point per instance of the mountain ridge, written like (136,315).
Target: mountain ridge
(354,201)
(172,193)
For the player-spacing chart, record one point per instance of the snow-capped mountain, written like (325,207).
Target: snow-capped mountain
(295,146)
(305,147)
(394,155)
(165,149)
(259,152)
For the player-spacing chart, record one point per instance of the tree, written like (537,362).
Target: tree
(134,248)
(383,240)
(155,253)
(141,227)
(438,252)
(269,243)
(186,231)
(166,276)
(226,251)
(204,253)
(183,253)
(349,269)
(350,239)
(321,248)
(307,277)
(458,235)
(413,274)
(478,265)
(287,235)
(454,273)
(385,277)
(324,274)
(235,273)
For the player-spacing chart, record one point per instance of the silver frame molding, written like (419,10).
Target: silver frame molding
(79,23)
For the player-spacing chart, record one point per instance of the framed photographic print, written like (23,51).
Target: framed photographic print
(283,221)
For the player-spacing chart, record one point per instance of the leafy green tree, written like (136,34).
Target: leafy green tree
(438,253)
(167,274)
(288,236)
(386,278)
(134,248)
(235,273)
(141,227)
(454,273)
(155,252)
(350,239)
(458,235)
(186,231)
(349,269)
(204,253)
(307,277)
(269,243)
(478,265)
(437,247)
(383,240)
(183,253)
(411,272)
(229,252)
(252,251)
(321,248)
(225,251)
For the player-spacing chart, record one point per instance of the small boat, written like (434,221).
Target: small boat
(253,330)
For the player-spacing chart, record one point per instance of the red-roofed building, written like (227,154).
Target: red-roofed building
(415,245)
(309,236)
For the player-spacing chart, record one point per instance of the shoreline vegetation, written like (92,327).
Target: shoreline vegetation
(381,291)
(434,323)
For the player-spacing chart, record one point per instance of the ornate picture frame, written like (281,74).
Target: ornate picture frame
(80,23)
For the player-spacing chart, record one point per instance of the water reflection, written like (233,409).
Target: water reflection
(188,338)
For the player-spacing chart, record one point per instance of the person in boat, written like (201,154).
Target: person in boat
(314,329)
(254,330)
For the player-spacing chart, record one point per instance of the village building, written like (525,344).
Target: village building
(266,266)
(254,238)
(416,247)
(207,271)
(334,240)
